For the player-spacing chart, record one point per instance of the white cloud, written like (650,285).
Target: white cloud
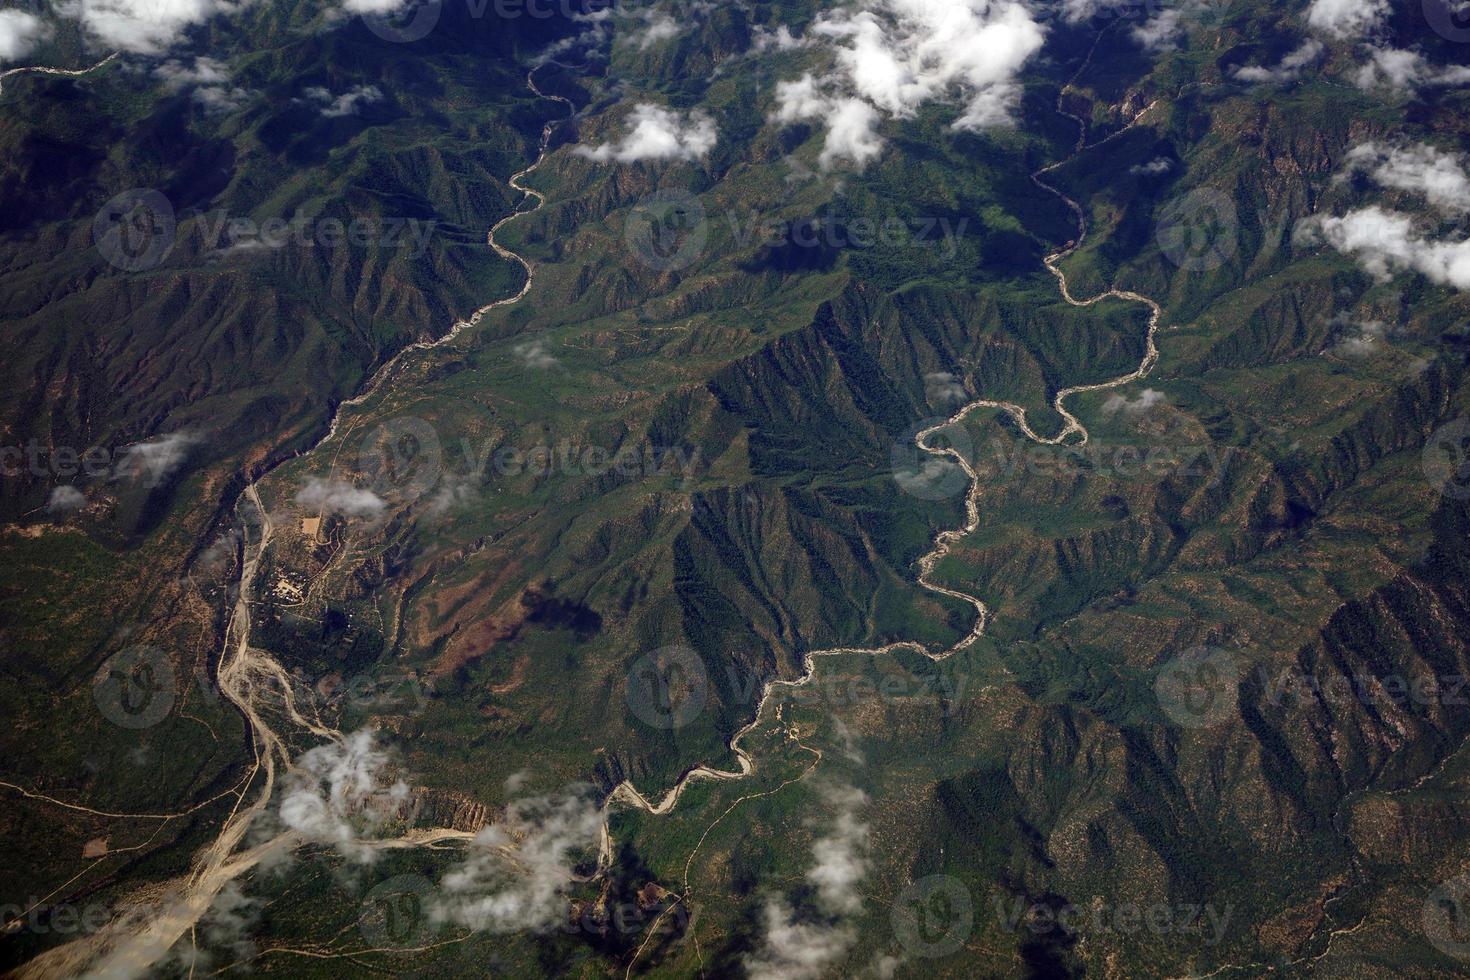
(1401,71)
(210,80)
(781,39)
(346,104)
(340,497)
(659,134)
(381,8)
(1343,19)
(794,950)
(802,948)
(931,472)
(1385,242)
(941,386)
(228,924)
(19,33)
(1291,66)
(895,55)
(1162,32)
(533,354)
(65,500)
(153,460)
(851,133)
(591,40)
(1147,400)
(338,792)
(1360,339)
(144,26)
(1439,176)
(798,100)
(660,27)
(517,872)
(1076,11)
(1156,166)
(841,855)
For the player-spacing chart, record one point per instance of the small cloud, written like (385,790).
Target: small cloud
(1290,68)
(1156,166)
(1385,242)
(337,793)
(1403,71)
(227,926)
(533,354)
(65,500)
(941,387)
(340,497)
(142,26)
(1162,32)
(803,947)
(1346,19)
(1147,401)
(210,80)
(1361,339)
(154,460)
(1439,177)
(220,551)
(452,492)
(19,33)
(381,8)
(781,39)
(660,27)
(517,872)
(346,104)
(659,134)
(932,473)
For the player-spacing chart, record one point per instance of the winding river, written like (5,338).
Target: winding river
(142,934)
